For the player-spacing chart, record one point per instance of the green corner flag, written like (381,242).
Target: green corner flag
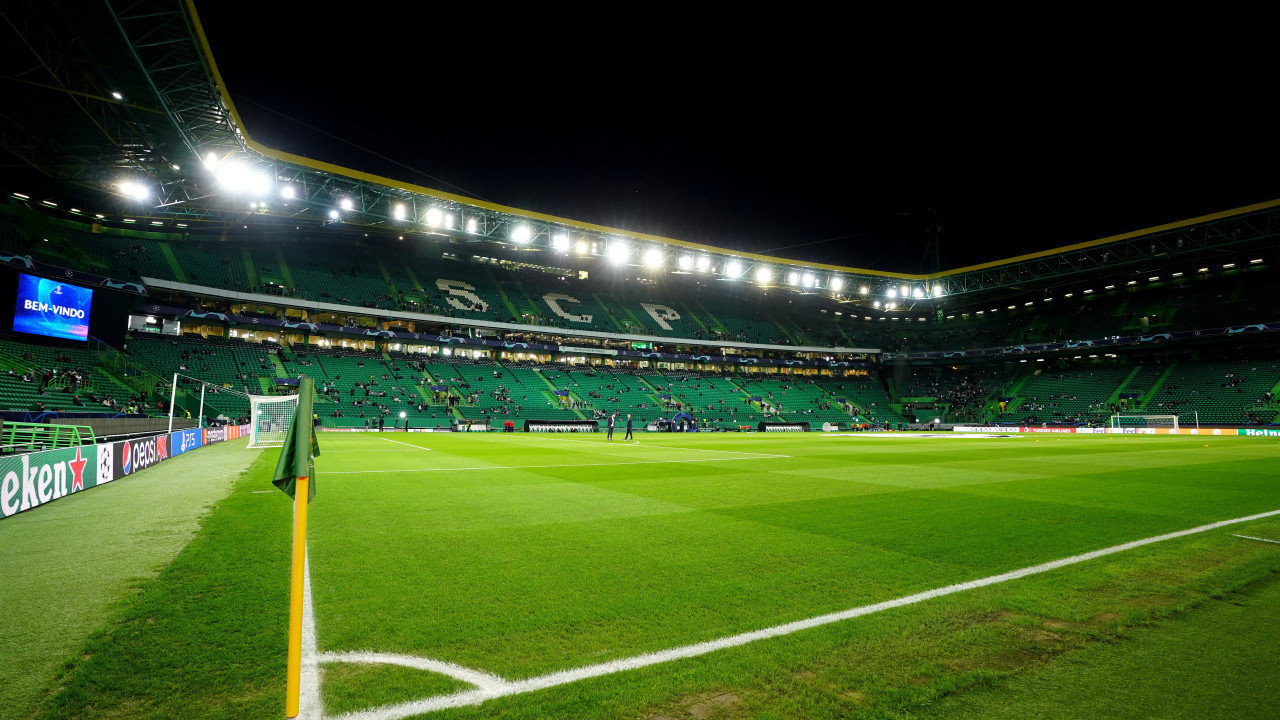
(297,457)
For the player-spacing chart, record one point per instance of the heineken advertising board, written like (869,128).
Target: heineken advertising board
(33,479)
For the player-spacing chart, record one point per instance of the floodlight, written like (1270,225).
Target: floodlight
(1153,279)
(893,306)
(864,290)
(618,252)
(733,269)
(893,292)
(520,233)
(137,191)
(401,414)
(808,280)
(918,294)
(877,304)
(685,262)
(471,225)
(763,274)
(117,95)
(287,192)
(211,161)
(346,203)
(1255,262)
(333,215)
(793,277)
(435,217)
(704,263)
(448,220)
(1228,266)
(836,283)
(905,290)
(582,247)
(398,211)
(560,241)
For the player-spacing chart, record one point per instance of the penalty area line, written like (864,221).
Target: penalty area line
(416,447)
(565,465)
(1265,540)
(490,686)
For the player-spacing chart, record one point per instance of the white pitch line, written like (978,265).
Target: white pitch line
(1265,540)
(479,678)
(564,677)
(647,445)
(535,467)
(310,706)
(416,447)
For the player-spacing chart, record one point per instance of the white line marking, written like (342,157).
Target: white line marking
(534,467)
(259,492)
(309,704)
(415,447)
(922,436)
(647,445)
(1249,537)
(564,677)
(479,678)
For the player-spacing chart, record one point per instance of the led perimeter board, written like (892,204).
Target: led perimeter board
(52,308)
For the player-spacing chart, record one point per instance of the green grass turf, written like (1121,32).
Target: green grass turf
(522,555)
(1154,672)
(64,565)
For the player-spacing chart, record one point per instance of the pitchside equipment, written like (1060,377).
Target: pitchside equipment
(270,419)
(295,475)
(1145,421)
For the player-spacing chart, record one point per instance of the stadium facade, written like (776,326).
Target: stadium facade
(238,267)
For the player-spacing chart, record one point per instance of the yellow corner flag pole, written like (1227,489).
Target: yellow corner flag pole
(293,685)
(295,475)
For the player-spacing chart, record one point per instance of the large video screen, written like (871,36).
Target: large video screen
(51,308)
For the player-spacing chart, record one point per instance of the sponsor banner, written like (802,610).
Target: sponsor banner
(1091,431)
(586,350)
(1259,432)
(1046,430)
(134,455)
(33,479)
(184,440)
(983,428)
(215,434)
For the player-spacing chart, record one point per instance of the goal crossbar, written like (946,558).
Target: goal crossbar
(1121,420)
(270,418)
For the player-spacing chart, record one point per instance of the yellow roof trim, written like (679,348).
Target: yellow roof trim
(1114,238)
(581,225)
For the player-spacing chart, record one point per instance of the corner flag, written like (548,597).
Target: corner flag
(297,456)
(296,470)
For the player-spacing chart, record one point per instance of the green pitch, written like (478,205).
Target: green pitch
(522,555)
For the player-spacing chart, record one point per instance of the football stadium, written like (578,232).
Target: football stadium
(540,467)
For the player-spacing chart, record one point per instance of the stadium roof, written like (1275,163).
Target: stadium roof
(126,98)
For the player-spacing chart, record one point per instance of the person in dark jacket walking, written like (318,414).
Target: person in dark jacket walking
(611,417)
(628,435)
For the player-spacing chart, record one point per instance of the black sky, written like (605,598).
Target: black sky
(836,144)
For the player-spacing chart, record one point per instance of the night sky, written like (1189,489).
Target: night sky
(782,138)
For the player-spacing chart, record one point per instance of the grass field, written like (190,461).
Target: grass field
(522,556)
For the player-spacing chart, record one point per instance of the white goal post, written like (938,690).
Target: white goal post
(270,417)
(1144,421)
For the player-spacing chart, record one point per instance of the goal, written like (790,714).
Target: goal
(1145,421)
(270,419)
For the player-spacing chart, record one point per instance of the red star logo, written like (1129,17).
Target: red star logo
(77,471)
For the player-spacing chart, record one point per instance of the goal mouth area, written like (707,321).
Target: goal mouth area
(270,417)
(1143,421)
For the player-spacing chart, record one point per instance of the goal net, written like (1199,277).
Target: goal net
(269,419)
(1145,421)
